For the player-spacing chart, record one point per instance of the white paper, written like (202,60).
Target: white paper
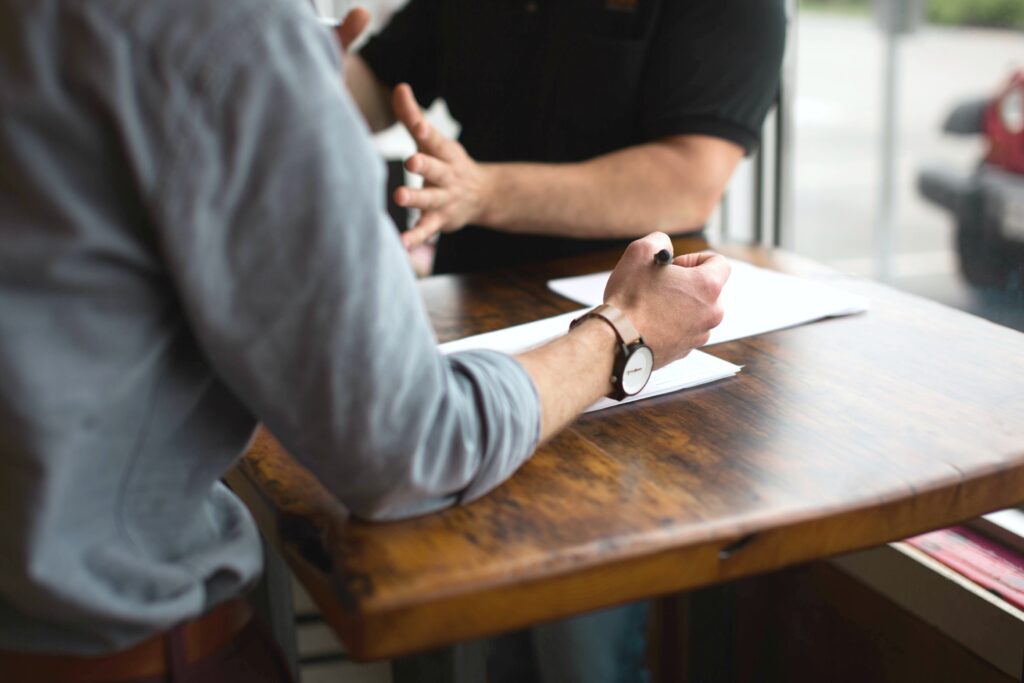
(518,338)
(697,368)
(755,300)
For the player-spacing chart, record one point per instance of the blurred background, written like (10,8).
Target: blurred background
(962,50)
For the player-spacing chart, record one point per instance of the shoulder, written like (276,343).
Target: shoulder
(766,18)
(761,21)
(207,39)
(751,18)
(744,33)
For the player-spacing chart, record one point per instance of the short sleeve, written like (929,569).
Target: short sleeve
(713,69)
(408,49)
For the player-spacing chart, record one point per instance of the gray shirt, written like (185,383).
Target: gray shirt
(193,238)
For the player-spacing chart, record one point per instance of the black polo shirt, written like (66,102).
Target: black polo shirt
(567,80)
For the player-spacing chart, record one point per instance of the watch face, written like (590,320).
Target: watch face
(638,370)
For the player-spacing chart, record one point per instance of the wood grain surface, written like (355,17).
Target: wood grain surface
(836,435)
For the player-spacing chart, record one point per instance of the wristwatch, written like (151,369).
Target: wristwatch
(634,360)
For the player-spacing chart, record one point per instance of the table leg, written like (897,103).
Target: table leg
(461,663)
(712,627)
(272,601)
(436,666)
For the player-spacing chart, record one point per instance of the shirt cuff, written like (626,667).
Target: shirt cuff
(509,406)
(705,125)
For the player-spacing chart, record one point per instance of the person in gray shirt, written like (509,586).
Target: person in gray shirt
(193,238)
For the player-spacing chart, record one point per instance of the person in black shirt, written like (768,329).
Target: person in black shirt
(584,122)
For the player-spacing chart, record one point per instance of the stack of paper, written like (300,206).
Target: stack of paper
(696,368)
(755,300)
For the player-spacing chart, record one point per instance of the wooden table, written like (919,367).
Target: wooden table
(836,436)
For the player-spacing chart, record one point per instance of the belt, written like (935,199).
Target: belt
(201,637)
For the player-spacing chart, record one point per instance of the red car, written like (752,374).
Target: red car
(988,206)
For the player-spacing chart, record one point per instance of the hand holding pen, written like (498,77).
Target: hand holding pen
(674,309)
(664,258)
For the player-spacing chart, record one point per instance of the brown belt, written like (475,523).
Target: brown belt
(202,637)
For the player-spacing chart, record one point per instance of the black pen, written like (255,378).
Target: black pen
(663,257)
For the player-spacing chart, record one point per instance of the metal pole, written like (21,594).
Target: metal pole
(885,232)
(759,181)
(781,154)
(785,161)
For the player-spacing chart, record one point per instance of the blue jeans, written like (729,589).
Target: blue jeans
(601,647)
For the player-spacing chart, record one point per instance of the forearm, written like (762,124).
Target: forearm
(468,428)
(372,97)
(663,186)
(461,439)
(571,373)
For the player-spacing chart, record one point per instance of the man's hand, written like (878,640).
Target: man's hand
(351,27)
(675,306)
(456,188)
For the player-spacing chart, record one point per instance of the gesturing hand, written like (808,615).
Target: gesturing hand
(674,307)
(455,187)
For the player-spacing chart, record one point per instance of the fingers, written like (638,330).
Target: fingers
(707,282)
(423,199)
(656,241)
(426,227)
(717,269)
(715,317)
(434,171)
(713,269)
(428,139)
(352,27)
(406,109)
(646,247)
(693,260)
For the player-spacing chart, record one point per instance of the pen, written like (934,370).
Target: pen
(663,257)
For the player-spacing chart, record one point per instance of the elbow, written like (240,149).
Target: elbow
(410,472)
(706,204)
(444,447)
(372,505)
(695,174)
(688,211)
(385,510)
(395,496)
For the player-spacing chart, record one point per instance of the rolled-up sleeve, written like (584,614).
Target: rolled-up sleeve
(271,218)
(499,391)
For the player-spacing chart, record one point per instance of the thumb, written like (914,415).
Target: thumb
(693,260)
(352,27)
(715,268)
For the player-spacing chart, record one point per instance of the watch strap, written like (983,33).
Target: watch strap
(628,334)
(629,342)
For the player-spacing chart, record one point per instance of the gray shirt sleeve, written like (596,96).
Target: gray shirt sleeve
(270,214)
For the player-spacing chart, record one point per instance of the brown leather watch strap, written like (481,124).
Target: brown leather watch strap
(628,334)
